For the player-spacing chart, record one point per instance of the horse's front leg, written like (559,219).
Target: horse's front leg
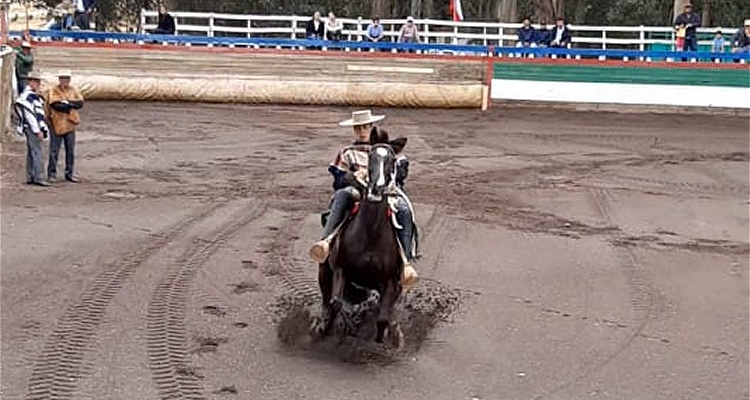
(325,282)
(337,292)
(385,317)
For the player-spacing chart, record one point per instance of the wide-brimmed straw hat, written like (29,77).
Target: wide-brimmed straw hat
(362,117)
(64,73)
(747,22)
(34,75)
(26,44)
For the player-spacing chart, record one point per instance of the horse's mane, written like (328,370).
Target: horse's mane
(379,135)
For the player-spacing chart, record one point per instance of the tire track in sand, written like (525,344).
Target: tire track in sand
(165,331)
(58,369)
(642,293)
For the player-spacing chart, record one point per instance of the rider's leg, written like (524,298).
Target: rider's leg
(406,237)
(342,201)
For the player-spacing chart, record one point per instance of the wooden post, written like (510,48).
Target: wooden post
(4,21)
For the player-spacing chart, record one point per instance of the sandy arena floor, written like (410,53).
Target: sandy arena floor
(569,255)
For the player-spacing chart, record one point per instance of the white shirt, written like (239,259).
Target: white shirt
(79,6)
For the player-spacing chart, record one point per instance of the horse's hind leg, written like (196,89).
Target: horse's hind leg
(325,282)
(385,317)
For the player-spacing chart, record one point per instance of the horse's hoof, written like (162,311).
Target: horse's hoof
(395,338)
(336,304)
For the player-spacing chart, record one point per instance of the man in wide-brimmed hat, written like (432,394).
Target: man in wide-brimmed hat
(29,109)
(350,166)
(24,64)
(63,103)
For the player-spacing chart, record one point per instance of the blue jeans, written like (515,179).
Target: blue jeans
(33,157)
(691,43)
(55,142)
(406,234)
(342,201)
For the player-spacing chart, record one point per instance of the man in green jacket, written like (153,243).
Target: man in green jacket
(24,64)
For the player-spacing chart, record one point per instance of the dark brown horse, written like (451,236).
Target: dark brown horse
(366,254)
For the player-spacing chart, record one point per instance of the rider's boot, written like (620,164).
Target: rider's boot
(406,238)
(341,201)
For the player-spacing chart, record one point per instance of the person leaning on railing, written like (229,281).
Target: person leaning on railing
(374,31)
(526,34)
(333,28)
(560,34)
(166,25)
(741,39)
(542,36)
(315,28)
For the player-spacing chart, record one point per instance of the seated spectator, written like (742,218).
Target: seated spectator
(526,35)
(64,12)
(166,24)
(542,36)
(408,32)
(333,28)
(741,39)
(560,34)
(374,31)
(315,28)
(717,46)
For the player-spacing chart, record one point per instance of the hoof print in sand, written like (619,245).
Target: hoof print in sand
(208,344)
(244,287)
(214,310)
(227,390)
(189,371)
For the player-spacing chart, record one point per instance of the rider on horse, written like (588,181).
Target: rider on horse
(350,167)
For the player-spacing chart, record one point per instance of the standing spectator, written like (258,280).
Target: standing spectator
(30,112)
(560,34)
(543,35)
(374,31)
(526,35)
(166,24)
(24,64)
(409,32)
(315,28)
(63,103)
(333,28)
(690,21)
(717,46)
(84,9)
(741,39)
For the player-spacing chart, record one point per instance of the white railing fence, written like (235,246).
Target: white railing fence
(431,31)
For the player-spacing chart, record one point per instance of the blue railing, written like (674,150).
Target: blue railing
(387,46)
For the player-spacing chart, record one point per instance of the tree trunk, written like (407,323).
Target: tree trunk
(507,10)
(706,11)
(549,9)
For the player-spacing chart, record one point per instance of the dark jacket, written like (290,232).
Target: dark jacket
(166,24)
(688,19)
(564,39)
(740,39)
(526,34)
(542,37)
(310,29)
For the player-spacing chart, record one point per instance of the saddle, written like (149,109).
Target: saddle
(391,214)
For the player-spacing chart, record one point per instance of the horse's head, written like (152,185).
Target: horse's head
(381,168)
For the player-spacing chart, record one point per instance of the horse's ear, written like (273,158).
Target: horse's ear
(378,135)
(398,144)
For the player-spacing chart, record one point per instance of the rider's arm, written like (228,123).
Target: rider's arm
(402,171)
